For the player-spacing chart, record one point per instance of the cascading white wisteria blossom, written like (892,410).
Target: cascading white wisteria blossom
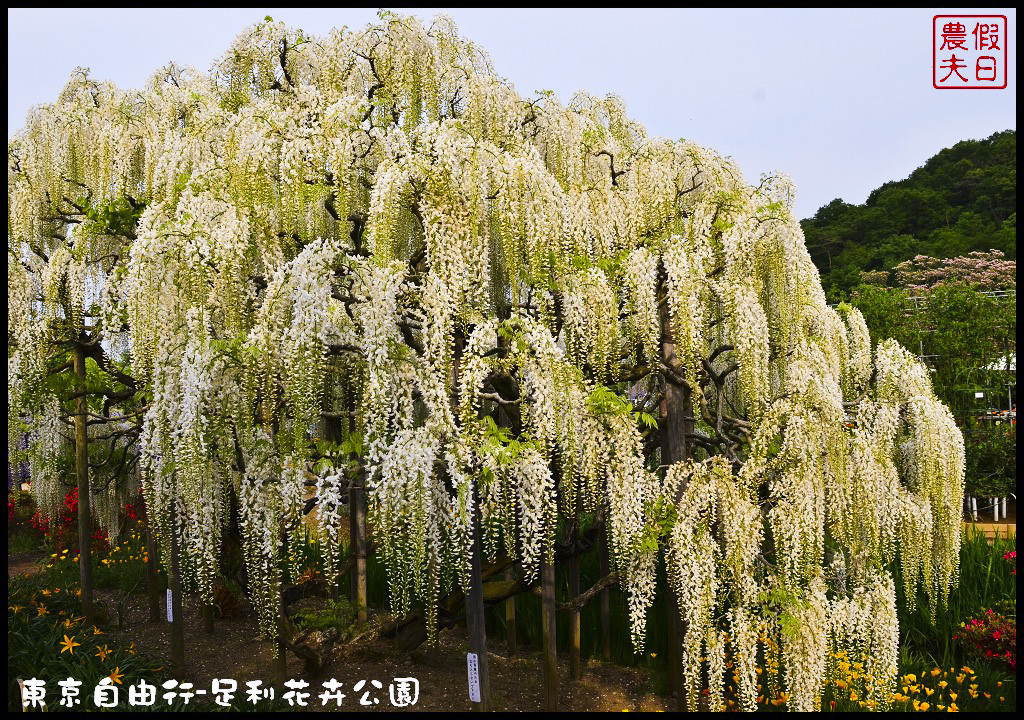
(373,238)
(864,625)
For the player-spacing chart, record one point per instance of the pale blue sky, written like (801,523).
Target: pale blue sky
(841,100)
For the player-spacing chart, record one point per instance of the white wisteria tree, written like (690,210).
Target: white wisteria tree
(364,261)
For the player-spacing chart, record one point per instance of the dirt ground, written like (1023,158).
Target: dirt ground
(236,652)
(25,562)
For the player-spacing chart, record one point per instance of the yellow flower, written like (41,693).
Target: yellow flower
(102,652)
(943,683)
(960,679)
(46,593)
(96,630)
(16,608)
(69,645)
(952,696)
(935,672)
(925,706)
(999,684)
(967,670)
(853,696)
(41,609)
(941,707)
(929,692)
(1002,699)
(116,676)
(911,678)
(953,708)
(987,696)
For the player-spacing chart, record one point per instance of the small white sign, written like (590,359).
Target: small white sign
(170,613)
(473,665)
(979,394)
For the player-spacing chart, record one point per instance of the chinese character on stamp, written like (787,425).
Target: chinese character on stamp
(969,52)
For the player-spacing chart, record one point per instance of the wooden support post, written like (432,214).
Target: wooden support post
(281,661)
(547,581)
(475,626)
(152,563)
(208,618)
(606,614)
(332,433)
(357,545)
(675,659)
(82,475)
(510,615)
(174,585)
(574,615)
(677,408)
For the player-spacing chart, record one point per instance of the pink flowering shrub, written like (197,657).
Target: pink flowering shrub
(988,270)
(991,636)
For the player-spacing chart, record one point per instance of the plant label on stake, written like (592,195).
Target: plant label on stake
(170,612)
(473,666)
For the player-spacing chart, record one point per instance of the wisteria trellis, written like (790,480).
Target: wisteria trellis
(374,225)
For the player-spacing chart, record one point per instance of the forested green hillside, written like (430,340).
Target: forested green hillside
(962,199)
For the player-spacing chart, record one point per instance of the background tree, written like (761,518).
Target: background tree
(967,335)
(961,201)
(63,244)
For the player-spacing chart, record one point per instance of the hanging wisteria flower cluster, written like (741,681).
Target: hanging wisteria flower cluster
(371,234)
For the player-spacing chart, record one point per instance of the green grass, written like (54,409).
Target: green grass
(22,542)
(986,582)
(337,615)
